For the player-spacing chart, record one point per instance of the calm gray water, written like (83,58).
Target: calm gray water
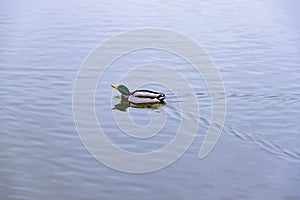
(256,47)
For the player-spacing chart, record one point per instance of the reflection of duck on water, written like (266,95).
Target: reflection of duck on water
(123,105)
(138,98)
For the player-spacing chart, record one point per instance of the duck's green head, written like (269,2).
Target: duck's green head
(122,88)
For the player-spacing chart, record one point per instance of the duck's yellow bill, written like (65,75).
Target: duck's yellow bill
(114,86)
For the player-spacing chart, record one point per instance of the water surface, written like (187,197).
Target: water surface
(255,45)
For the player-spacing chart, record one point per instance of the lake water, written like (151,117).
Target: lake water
(255,46)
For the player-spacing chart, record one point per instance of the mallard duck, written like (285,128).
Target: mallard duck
(139,96)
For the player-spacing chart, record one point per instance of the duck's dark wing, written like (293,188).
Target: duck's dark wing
(148,96)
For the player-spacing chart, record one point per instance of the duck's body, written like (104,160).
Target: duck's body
(144,96)
(139,96)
